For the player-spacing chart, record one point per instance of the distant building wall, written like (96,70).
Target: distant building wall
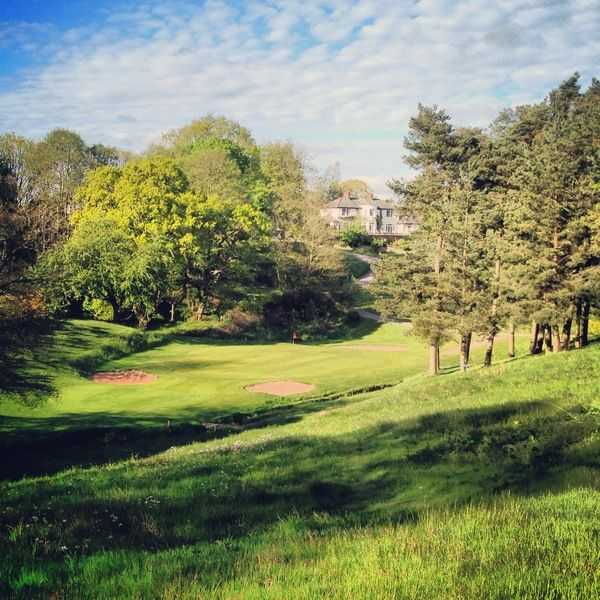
(378,217)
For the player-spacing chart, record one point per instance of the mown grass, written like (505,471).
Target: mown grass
(199,379)
(478,486)
(200,393)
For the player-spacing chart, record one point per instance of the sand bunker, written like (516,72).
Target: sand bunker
(281,388)
(124,377)
(376,348)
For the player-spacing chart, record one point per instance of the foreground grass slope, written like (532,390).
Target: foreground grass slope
(485,485)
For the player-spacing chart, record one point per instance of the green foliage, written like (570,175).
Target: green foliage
(221,244)
(99,309)
(506,222)
(354,235)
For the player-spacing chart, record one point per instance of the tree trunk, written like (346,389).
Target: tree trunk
(469,347)
(511,339)
(558,342)
(585,322)
(566,332)
(172,315)
(115,308)
(578,323)
(489,350)
(465,350)
(547,333)
(200,311)
(434,365)
(535,334)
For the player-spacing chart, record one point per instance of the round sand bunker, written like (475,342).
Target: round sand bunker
(281,388)
(124,377)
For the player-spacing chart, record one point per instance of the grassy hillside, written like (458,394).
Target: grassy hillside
(477,486)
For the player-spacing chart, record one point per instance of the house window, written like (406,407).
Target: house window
(388,212)
(344,212)
(389,228)
(371,227)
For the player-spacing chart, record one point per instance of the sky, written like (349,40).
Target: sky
(340,78)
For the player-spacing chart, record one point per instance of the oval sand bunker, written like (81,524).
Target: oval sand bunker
(281,388)
(124,377)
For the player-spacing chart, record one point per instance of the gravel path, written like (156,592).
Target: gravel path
(365,281)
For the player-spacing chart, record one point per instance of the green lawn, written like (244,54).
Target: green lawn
(484,485)
(204,380)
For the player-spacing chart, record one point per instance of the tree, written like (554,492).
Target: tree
(145,281)
(355,186)
(220,243)
(284,167)
(552,197)
(90,265)
(451,199)
(209,126)
(410,284)
(59,162)
(146,198)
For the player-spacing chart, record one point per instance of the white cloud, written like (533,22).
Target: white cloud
(340,77)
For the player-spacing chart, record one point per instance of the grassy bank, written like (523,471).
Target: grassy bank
(485,485)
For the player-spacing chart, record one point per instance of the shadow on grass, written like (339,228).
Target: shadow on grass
(386,473)
(43,446)
(24,347)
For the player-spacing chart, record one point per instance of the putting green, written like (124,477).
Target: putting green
(204,379)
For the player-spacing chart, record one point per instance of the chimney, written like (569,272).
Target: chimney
(346,195)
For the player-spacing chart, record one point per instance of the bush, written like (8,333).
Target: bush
(238,321)
(354,236)
(19,307)
(352,318)
(594,328)
(378,244)
(299,306)
(99,309)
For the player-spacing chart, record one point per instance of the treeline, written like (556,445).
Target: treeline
(509,226)
(202,222)
(37,193)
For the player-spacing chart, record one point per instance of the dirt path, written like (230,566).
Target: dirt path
(365,281)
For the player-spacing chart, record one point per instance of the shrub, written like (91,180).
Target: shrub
(378,244)
(594,328)
(99,309)
(238,321)
(354,236)
(302,305)
(18,307)
(352,318)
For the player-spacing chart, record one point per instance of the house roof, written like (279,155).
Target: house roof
(357,202)
(345,202)
(384,203)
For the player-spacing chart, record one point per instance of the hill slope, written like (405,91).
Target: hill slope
(485,485)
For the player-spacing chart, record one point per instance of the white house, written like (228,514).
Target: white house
(378,217)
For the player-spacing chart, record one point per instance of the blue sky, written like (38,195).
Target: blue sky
(340,78)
